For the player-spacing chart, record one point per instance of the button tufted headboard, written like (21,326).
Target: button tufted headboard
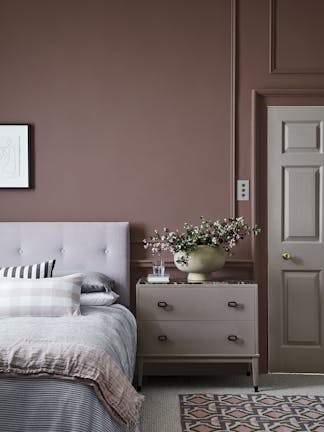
(76,246)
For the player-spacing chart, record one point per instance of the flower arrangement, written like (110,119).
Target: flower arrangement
(225,233)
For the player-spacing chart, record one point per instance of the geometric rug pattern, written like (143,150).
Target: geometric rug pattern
(251,412)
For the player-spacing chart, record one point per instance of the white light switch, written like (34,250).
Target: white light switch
(243,190)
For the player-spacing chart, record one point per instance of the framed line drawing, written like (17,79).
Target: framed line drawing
(14,155)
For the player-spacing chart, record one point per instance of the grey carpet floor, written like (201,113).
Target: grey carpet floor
(161,405)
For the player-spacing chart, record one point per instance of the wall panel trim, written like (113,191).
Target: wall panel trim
(233,107)
(272,37)
(273,66)
(229,264)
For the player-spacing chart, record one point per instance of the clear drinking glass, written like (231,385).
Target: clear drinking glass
(158,267)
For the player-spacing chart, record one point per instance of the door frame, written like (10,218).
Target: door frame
(261,99)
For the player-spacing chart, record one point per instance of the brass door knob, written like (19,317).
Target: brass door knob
(286,256)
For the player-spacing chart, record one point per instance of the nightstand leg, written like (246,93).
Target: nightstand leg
(255,373)
(140,368)
(248,372)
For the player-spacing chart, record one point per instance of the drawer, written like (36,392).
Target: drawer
(196,303)
(200,337)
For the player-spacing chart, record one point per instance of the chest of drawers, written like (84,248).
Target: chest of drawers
(205,322)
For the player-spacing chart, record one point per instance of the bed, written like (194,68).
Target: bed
(43,403)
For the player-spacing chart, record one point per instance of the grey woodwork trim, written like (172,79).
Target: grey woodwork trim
(273,66)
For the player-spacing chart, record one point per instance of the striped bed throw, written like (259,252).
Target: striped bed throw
(40,297)
(32,271)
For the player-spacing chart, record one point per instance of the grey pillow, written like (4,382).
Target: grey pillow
(96,282)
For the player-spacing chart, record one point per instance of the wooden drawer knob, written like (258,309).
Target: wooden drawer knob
(232,338)
(162,304)
(162,338)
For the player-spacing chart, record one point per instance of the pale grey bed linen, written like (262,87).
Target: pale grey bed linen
(110,328)
(54,405)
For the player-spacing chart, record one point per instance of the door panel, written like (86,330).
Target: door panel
(295,220)
(299,136)
(301,311)
(301,191)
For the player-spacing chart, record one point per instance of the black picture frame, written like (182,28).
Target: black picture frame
(15,155)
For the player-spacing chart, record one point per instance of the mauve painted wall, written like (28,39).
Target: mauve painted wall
(130,105)
(129,102)
(294,20)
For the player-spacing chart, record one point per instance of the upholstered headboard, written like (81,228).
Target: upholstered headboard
(76,246)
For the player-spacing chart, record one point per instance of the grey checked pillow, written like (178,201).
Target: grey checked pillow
(40,297)
(32,271)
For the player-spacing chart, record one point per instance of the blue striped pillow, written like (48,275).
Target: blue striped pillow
(32,271)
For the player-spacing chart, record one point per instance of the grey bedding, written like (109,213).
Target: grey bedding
(55,405)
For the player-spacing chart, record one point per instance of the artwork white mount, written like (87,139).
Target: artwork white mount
(14,156)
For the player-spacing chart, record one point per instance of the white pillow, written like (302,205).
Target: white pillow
(40,297)
(98,299)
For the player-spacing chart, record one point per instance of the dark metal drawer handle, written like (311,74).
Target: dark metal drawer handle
(232,338)
(162,304)
(232,304)
(162,338)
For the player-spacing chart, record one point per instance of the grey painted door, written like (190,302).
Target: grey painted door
(295,239)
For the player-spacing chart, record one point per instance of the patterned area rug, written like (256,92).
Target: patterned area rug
(251,412)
